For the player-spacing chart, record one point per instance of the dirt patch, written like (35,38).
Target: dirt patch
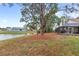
(46,36)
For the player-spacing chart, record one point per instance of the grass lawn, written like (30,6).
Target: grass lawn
(12,32)
(17,32)
(59,45)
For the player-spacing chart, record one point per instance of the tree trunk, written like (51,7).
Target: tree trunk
(42,18)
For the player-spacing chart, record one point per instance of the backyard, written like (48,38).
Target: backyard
(50,44)
(39,29)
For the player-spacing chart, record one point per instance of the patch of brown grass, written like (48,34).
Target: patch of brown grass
(37,45)
(46,36)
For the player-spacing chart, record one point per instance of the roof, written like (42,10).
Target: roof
(71,24)
(75,20)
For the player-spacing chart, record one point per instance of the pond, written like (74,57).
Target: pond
(9,36)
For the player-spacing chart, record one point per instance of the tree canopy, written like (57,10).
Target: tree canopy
(39,14)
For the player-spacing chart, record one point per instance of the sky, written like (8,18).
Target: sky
(10,16)
(72,15)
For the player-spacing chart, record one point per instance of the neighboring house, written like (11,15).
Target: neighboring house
(70,27)
(15,29)
(3,29)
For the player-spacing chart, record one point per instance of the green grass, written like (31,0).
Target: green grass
(12,32)
(16,32)
(66,46)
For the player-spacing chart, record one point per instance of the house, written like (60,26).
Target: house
(15,29)
(70,27)
(3,29)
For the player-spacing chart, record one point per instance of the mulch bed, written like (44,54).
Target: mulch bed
(46,36)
